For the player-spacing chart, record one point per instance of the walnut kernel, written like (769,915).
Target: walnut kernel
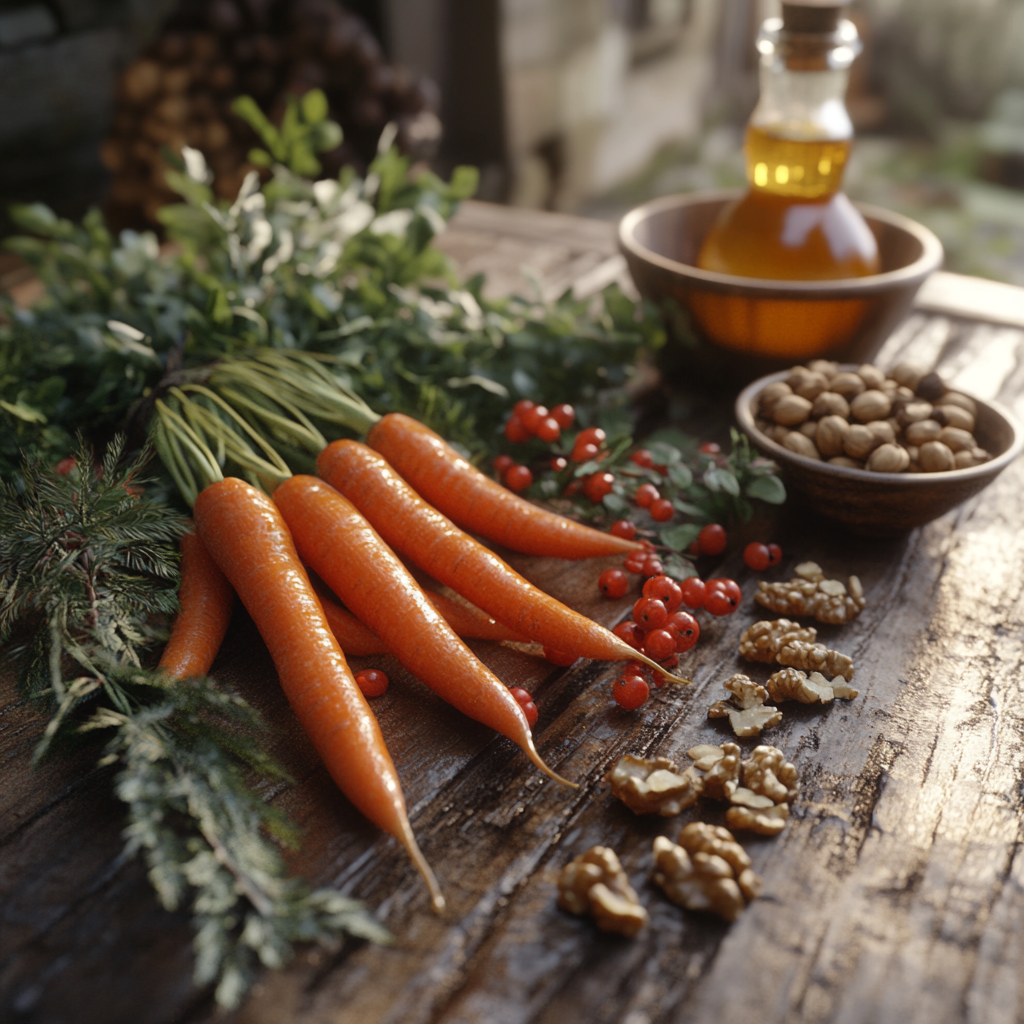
(746,709)
(595,881)
(724,775)
(767,821)
(825,600)
(654,786)
(812,657)
(763,640)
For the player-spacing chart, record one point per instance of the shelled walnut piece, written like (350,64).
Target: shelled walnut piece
(810,595)
(707,870)
(792,684)
(595,881)
(790,644)
(654,786)
(746,709)
(864,419)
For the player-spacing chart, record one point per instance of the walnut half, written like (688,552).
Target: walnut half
(810,595)
(763,640)
(746,709)
(595,881)
(707,870)
(792,684)
(654,786)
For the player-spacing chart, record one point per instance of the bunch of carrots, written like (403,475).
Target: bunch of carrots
(404,494)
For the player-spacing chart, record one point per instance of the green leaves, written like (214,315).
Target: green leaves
(769,489)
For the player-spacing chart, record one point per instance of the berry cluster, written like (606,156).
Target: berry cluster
(761,556)
(525,701)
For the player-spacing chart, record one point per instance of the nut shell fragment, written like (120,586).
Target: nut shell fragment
(654,786)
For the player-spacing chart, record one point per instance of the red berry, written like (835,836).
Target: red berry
(548,430)
(564,415)
(685,630)
(558,463)
(623,528)
(613,583)
(652,567)
(532,418)
(709,448)
(774,554)
(717,603)
(531,713)
(650,613)
(515,431)
(670,662)
(646,495)
(518,478)
(557,657)
(598,486)
(643,458)
(65,466)
(592,435)
(573,487)
(372,682)
(584,452)
(659,644)
(631,633)
(635,563)
(522,696)
(523,405)
(756,556)
(630,692)
(648,545)
(502,464)
(662,510)
(730,588)
(666,590)
(636,668)
(694,548)
(693,592)
(712,539)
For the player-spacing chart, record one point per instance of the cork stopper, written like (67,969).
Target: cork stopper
(812,15)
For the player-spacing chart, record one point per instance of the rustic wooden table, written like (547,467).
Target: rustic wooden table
(895,894)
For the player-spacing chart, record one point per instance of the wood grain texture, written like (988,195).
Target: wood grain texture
(895,894)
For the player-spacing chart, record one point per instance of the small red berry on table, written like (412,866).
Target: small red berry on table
(502,464)
(522,696)
(712,539)
(774,554)
(757,556)
(623,528)
(659,644)
(631,633)
(635,562)
(599,485)
(531,713)
(564,415)
(646,495)
(652,566)
(730,588)
(685,630)
(515,431)
(650,613)
(666,590)
(372,682)
(557,657)
(692,589)
(642,458)
(613,583)
(630,692)
(662,510)
(518,478)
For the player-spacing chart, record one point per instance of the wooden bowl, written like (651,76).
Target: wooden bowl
(883,504)
(737,328)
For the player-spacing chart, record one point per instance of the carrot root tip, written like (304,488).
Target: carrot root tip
(531,750)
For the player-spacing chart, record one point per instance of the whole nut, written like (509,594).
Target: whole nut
(828,403)
(980,454)
(953,416)
(831,431)
(921,431)
(908,374)
(870,405)
(826,367)
(888,458)
(809,429)
(890,388)
(912,412)
(935,457)
(771,394)
(859,442)
(957,440)
(801,445)
(915,454)
(871,375)
(842,460)
(930,387)
(776,431)
(847,384)
(965,459)
(965,403)
(791,410)
(810,385)
(883,430)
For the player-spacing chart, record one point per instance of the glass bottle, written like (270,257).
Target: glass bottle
(794,223)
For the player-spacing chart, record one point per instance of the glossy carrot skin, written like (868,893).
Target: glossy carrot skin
(206,603)
(479,504)
(470,622)
(429,539)
(249,540)
(349,556)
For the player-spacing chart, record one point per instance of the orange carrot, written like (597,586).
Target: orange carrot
(470,622)
(355,639)
(349,556)
(248,539)
(422,534)
(206,602)
(478,504)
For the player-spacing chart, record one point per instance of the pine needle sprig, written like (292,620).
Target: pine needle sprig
(92,562)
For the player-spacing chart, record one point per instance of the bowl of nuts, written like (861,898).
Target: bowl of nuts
(878,452)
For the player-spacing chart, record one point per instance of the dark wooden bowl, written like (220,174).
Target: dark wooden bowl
(737,328)
(883,504)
